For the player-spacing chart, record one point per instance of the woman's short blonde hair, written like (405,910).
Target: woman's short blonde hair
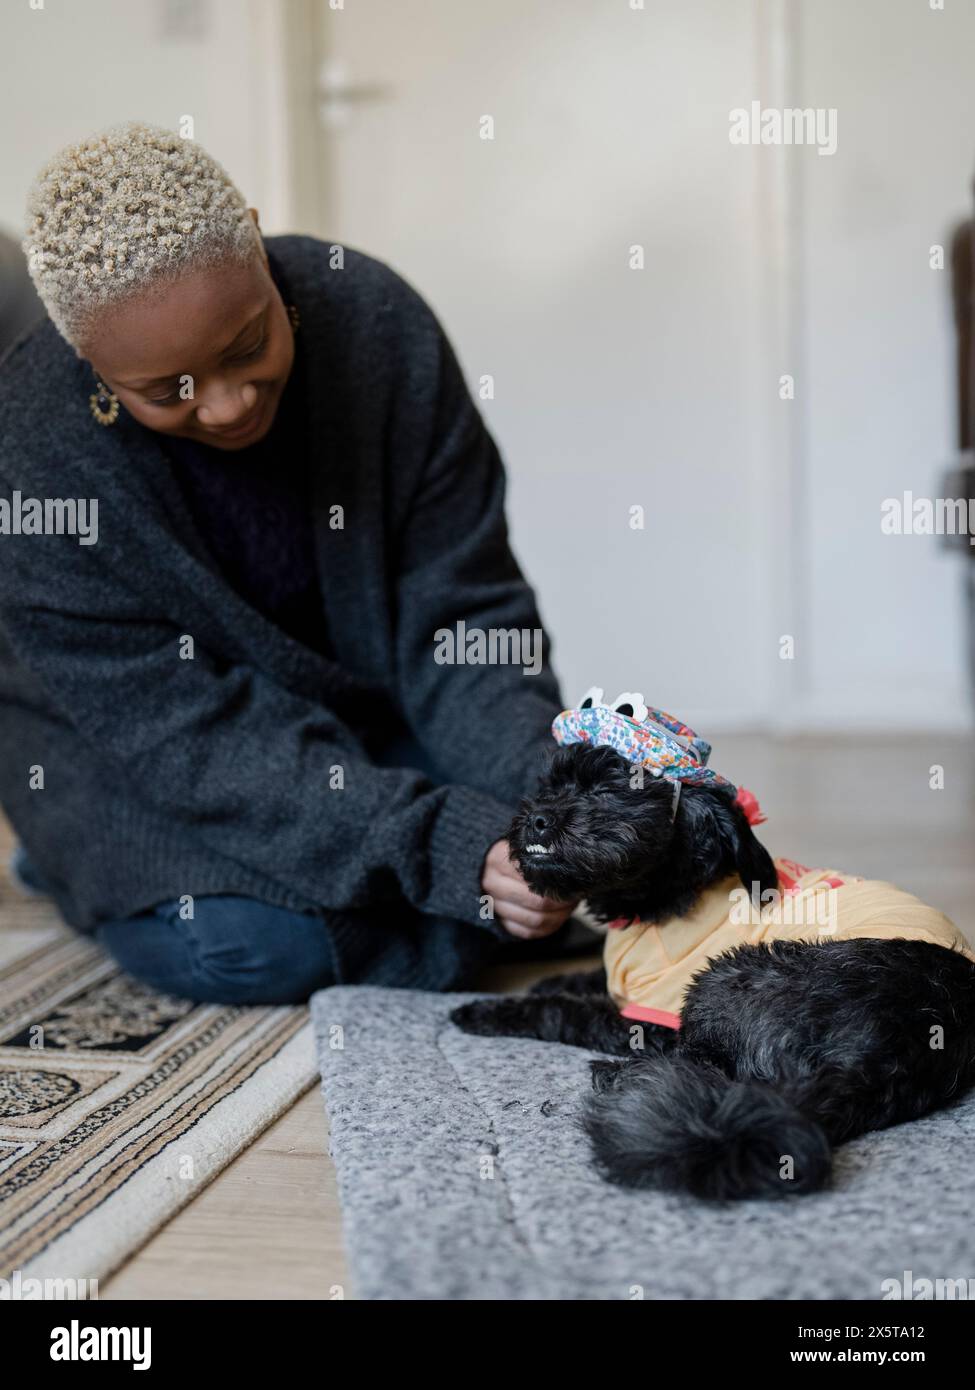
(112,217)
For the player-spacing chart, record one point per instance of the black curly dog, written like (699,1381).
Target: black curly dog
(785,1049)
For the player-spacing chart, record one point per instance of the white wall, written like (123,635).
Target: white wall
(886,621)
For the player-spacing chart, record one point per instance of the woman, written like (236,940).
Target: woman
(288,491)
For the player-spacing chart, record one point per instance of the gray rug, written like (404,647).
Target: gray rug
(463,1176)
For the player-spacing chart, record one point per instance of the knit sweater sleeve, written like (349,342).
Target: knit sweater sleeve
(475,681)
(258,773)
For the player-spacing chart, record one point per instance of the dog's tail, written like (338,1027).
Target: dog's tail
(671,1123)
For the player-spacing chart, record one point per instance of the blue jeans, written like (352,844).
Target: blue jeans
(233,951)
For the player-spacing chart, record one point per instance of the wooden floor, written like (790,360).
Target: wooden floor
(269,1226)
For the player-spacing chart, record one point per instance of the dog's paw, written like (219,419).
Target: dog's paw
(480,1016)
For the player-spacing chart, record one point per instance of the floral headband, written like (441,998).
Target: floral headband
(649,738)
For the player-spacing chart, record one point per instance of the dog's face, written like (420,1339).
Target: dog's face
(596,829)
(591,827)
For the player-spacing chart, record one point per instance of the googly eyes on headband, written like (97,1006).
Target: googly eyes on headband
(630,704)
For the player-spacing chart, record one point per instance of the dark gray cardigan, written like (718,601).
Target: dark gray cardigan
(164,776)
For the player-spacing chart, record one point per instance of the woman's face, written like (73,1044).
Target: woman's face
(206,357)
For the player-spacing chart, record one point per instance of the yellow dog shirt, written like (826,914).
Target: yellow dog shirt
(649,967)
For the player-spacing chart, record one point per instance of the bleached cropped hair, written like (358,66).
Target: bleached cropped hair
(118,214)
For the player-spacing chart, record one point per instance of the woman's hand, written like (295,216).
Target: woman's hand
(521,912)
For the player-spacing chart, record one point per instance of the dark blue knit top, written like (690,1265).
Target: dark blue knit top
(253,510)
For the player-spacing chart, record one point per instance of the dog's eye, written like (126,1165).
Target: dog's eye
(593,696)
(630,704)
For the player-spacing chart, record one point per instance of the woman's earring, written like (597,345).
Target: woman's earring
(103,404)
(295,318)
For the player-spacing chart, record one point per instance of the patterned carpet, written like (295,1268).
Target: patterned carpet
(117,1105)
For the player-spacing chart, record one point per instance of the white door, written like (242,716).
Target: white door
(615,388)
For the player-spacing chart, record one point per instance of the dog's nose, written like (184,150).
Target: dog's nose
(540,822)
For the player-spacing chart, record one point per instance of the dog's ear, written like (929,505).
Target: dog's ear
(752,860)
(719,840)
